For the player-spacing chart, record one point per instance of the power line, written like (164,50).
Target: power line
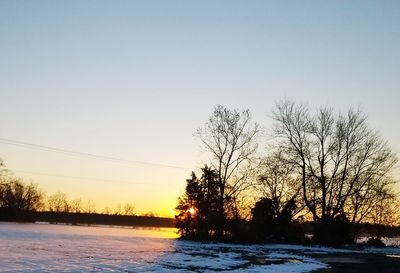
(80,177)
(39,147)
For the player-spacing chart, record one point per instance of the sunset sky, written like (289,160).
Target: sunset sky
(134,79)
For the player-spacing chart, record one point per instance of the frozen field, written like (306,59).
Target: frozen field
(62,248)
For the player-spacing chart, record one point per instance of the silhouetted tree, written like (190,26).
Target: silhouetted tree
(276,181)
(90,207)
(384,212)
(106,211)
(374,201)
(336,157)
(18,200)
(230,137)
(150,214)
(185,220)
(263,216)
(271,224)
(129,209)
(4,173)
(273,215)
(198,208)
(118,209)
(76,205)
(58,202)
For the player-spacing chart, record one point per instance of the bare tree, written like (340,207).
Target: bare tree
(385,208)
(90,207)
(336,157)
(129,209)
(364,204)
(230,137)
(19,198)
(107,211)
(381,208)
(58,202)
(118,209)
(4,174)
(277,183)
(149,214)
(76,205)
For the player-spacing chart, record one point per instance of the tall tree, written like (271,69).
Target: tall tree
(336,156)
(230,137)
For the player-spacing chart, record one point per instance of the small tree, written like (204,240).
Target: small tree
(129,209)
(58,202)
(76,205)
(118,209)
(106,211)
(90,207)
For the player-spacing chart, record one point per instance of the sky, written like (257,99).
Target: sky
(134,79)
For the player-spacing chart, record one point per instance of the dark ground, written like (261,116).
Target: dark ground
(359,263)
(95,219)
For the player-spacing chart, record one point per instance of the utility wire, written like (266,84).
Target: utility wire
(80,177)
(84,154)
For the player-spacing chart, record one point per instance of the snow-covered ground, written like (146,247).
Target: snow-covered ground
(63,248)
(388,241)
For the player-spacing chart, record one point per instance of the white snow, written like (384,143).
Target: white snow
(388,241)
(54,248)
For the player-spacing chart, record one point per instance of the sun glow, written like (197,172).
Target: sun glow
(192,211)
(172,212)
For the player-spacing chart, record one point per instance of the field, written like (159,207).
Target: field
(64,248)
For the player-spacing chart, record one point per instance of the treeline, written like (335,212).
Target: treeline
(102,219)
(26,202)
(321,167)
(59,202)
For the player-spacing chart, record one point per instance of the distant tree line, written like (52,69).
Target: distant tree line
(83,218)
(58,202)
(20,201)
(323,167)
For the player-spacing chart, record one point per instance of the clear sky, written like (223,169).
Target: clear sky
(134,79)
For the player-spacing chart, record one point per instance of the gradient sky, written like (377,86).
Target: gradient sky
(134,79)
